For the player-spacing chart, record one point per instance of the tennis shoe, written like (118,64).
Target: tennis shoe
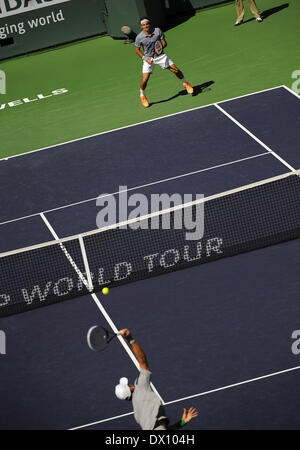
(144,101)
(189,88)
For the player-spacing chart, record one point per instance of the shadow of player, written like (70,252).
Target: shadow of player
(197,90)
(269,12)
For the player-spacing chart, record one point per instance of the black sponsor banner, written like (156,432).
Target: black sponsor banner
(29,25)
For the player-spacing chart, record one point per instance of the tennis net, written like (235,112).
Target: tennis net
(236,221)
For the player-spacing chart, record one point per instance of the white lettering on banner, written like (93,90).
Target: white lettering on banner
(4,299)
(36,292)
(42,21)
(2,82)
(169,258)
(122,271)
(13,7)
(2,343)
(150,260)
(63,287)
(187,256)
(101,280)
(69,287)
(214,245)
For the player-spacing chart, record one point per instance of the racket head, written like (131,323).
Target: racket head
(158,48)
(97,338)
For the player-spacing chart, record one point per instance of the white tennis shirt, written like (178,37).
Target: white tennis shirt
(148,42)
(146,403)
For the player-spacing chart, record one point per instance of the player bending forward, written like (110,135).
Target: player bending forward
(148,409)
(154,42)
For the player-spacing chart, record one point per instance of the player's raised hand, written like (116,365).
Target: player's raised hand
(125,333)
(189,415)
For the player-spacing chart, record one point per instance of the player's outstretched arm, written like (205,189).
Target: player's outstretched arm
(136,348)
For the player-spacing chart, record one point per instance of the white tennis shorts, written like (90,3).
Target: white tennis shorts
(163,61)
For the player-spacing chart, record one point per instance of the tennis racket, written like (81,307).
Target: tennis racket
(158,48)
(99,337)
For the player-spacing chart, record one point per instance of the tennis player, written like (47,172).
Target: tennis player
(148,409)
(153,42)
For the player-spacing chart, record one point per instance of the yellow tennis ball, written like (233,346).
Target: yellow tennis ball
(105,291)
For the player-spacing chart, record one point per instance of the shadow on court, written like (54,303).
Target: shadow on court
(199,89)
(269,12)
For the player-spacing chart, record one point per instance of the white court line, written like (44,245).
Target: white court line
(137,124)
(104,313)
(212,391)
(101,421)
(255,137)
(134,188)
(230,386)
(49,226)
(86,264)
(291,91)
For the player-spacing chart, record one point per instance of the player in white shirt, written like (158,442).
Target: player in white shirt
(153,42)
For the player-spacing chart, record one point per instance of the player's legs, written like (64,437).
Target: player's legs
(254,9)
(144,81)
(147,71)
(240,11)
(180,76)
(143,86)
(176,71)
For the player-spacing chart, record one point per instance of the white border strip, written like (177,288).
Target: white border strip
(86,264)
(212,391)
(137,124)
(135,187)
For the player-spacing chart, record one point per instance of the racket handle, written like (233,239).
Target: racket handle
(113,336)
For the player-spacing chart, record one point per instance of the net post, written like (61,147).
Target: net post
(86,264)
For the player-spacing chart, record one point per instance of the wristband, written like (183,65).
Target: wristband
(182,423)
(132,341)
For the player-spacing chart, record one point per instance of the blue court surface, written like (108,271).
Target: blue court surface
(217,336)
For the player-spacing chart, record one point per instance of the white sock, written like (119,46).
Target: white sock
(183,80)
(142,92)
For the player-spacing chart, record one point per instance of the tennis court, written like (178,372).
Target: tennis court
(218,334)
(233,318)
